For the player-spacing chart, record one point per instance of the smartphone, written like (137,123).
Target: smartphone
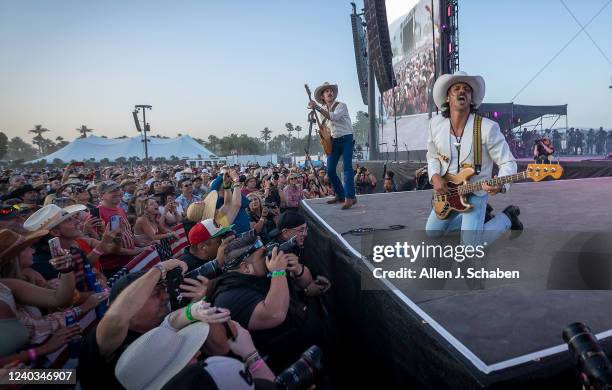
(115,221)
(55,247)
(95,212)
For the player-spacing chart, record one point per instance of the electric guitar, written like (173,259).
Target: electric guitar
(324,132)
(459,188)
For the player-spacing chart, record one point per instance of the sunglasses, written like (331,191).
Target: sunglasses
(257,245)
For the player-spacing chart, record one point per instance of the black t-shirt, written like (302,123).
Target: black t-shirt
(95,372)
(284,344)
(192,261)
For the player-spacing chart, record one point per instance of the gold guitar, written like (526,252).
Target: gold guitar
(459,188)
(324,133)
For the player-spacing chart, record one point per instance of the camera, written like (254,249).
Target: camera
(588,355)
(303,373)
(174,278)
(289,246)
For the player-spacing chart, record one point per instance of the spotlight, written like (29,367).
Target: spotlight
(495,114)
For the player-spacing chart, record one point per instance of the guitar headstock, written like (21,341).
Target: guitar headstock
(308,91)
(537,172)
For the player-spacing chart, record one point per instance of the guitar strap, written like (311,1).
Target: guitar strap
(477,143)
(333,108)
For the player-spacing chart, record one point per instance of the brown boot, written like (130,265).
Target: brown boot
(349,203)
(335,200)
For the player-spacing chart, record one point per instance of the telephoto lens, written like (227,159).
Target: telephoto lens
(588,355)
(303,373)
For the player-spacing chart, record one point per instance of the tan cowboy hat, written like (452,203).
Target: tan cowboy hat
(444,82)
(210,203)
(11,243)
(158,355)
(50,216)
(318,94)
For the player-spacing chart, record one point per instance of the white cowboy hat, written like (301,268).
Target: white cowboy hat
(319,91)
(444,82)
(158,355)
(50,216)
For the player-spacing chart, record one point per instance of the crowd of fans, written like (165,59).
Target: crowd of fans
(573,142)
(245,291)
(414,77)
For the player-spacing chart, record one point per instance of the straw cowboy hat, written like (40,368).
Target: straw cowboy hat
(444,82)
(158,355)
(50,216)
(11,243)
(318,94)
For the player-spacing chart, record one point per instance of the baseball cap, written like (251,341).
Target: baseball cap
(290,220)
(122,283)
(106,186)
(205,230)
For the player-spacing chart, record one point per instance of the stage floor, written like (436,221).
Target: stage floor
(507,326)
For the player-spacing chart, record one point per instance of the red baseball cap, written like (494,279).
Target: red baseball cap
(205,230)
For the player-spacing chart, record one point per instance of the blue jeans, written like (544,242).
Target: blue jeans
(342,146)
(473,229)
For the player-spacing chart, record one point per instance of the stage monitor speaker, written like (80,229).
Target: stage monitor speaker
(361,55)
(379,44)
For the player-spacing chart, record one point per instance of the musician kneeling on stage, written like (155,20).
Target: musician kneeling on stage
(266,297)
(451,147)
(336,117)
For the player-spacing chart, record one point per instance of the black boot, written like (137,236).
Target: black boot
(513,213)
(489,213)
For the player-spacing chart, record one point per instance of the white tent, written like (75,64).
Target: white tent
(82,149)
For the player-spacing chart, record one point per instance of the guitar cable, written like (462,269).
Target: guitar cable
(363,231)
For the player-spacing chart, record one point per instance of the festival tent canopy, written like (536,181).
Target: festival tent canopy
(83,149)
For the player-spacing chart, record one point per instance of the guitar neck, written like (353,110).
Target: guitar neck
(473,187)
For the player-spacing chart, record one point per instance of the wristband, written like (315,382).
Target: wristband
(97,252)
(278,273)
(188,313)
(301,272)
(255,366)
(227,187)
(67,271)
(32,355)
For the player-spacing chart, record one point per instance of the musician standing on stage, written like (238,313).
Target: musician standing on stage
(335,115)
(450,148)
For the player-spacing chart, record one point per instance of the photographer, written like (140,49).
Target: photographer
(139,303)
(543,149)
(207,242)
(365,182)
(292,225)
(282,323)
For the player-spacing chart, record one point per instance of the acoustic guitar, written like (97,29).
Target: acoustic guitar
(324,132)
(459,188)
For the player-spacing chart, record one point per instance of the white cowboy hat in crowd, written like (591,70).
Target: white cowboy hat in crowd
(444,82)
(318,94)
(158,355)
(50,216)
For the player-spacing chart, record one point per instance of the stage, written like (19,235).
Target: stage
(575,167)
(506,335)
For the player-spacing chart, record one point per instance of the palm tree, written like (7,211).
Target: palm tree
(298,128)
(266,137)
(84,130)
(289,127)
(38,140)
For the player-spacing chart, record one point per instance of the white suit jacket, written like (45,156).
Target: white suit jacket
(495,149)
